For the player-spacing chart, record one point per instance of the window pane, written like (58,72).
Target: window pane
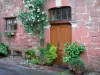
(58,12)
(15,24)
(8,27)
(53,15)
(64,13)
(15,21)
(9,22)
(69,13)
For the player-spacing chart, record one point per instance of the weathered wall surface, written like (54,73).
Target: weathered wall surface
(86,14)
(85,26)
(21,39)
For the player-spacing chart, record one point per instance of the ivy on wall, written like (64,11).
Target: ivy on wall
(34,19)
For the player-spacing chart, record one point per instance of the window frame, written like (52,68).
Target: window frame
(10,26)
(60,8)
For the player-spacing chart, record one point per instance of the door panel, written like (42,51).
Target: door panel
(64,35)
(59,35)
(54,35)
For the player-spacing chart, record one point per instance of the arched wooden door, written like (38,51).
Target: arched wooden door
(60,33)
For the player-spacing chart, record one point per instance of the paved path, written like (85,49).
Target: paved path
(8,69)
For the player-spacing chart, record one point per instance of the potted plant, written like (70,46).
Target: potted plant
(73,52)
(77,65)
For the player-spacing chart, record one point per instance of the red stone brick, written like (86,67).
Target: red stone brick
(81,23)
(91,8)
(90,24)
(80,10)
(91,52)
(98,52)
(86,40)
(97,24)
(64,2)
(80,3)
(73,17)
(84,31)
(94,34)
(93,13)
(95,40)
(72,3)
(94,29)
(85,16)
(79,17)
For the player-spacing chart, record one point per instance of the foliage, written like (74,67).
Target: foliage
(73,51)
(77,64)
(34,19)
(49,53)
(30,53)
(36,61)
(43,51)
(3,49)
(8,34)
(31,58)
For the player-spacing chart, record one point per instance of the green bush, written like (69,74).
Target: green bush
(77,64)
(51,55)
(73,51)
(3,49)
(30,53)
(35,61)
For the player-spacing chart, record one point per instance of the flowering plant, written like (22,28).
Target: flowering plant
(34,19)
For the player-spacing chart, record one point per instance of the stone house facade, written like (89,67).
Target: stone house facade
(85,26)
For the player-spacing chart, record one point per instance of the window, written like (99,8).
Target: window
(62,13)
(11,24)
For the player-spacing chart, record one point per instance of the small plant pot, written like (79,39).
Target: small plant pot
(78,72)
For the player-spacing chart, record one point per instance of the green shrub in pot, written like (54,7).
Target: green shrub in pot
(72,57)
(77,65)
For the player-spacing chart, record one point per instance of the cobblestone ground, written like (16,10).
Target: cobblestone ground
(15,65)
(8,69)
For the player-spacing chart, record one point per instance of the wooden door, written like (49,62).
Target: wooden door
(59,35)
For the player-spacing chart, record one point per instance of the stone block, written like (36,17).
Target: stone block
(86,40)
(80,10)
(93,13)
(91,51)
(78,17)
(85,16)
(80,3)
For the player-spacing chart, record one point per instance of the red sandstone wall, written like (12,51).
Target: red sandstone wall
(86,13)
(85,26)
(21,39)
